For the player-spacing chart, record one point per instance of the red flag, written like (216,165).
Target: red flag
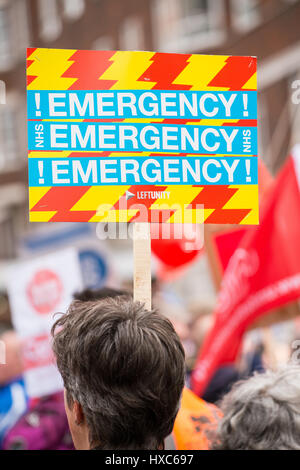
(175,246)
(262,274)
(227,241)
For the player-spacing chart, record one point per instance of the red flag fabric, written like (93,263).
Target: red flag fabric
(262,274)
(227,241)
(175,246)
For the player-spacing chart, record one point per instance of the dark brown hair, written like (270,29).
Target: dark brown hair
(125,366)
(98,294)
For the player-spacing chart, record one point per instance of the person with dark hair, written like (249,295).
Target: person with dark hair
(98,294)
(123,370)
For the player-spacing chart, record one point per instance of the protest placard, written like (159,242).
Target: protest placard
(123,136)
(44,287)
(136,136)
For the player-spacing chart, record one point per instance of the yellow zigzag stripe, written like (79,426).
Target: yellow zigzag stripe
(200,71)
(251,84)
(127,67)
(48,66)
(35,194)
(99,196)
(245,198)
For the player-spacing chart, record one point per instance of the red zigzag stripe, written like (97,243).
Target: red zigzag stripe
(215,197)
(235,73)
(164,69)
(88,66)
(62,199)
(30,51)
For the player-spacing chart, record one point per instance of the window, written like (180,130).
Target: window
(14,34)
(294,108)
(12,132)
(20,27)
(8,138)
(132,34)
(195,16)
(73,9)
(2,92)
(245,14)
(187,25)
(103,43)
(6,40)
(165,18)
(50,21)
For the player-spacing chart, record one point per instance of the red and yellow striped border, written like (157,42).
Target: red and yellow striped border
(60,69)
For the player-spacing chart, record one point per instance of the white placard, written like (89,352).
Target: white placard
(37,290)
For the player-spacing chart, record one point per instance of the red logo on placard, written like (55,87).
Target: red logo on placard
(37,352)
(44,291)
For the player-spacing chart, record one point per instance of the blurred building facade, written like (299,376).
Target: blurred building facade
(268,29)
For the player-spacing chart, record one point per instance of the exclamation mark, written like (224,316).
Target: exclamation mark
(248,177)
(37,98)
(245,101)
(41,171)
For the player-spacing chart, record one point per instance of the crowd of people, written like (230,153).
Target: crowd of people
(126,374)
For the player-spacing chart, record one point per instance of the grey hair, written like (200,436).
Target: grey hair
(262,413)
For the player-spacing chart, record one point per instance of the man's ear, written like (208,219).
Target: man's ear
(78,413)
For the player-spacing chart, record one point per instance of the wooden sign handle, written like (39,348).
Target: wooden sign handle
(142,263)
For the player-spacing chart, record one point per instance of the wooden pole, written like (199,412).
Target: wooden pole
(142,263)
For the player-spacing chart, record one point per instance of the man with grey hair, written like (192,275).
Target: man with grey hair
(262,413)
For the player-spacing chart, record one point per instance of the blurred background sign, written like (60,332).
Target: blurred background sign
(93,255)
(39,288)
(94,268)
